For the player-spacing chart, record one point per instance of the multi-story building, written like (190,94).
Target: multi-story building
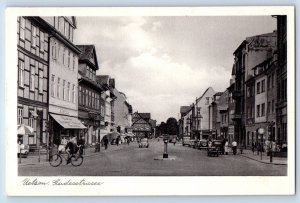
(63,79)
(281,80)
(122,112)
(251,52)
(89,94)
(106,104)
(220,115)
(202,115)
(231,108)
(184,124)
(33,67)
(141,125)
(214,115)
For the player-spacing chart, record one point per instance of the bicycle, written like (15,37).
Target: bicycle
(76,158)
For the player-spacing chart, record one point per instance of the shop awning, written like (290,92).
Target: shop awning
(68,122)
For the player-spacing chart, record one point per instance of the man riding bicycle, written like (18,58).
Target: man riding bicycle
(70,148)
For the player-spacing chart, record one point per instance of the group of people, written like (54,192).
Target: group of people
(71,146)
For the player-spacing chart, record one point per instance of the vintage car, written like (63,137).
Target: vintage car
(216,148)
(186,141)
(24,149)
(144,143)
(202,144)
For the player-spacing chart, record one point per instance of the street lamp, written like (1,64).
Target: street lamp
(261,132)
(165,154)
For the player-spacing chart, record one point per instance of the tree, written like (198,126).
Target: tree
(172,126)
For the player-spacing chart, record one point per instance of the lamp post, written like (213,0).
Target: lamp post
(165,154)
(261,131)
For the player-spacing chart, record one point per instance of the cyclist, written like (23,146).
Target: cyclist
(70,149)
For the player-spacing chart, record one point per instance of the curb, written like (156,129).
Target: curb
(262,161)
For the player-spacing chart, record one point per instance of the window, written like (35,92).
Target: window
(257,110)
(64,56)
(21,73)
(61,22)
(263,113)
(263,86)
(32,75)
(52,85)
(74,58)
(269,108)
(69,92)
(102,111)
(79,96)
(41,81)
(73,94)
(20,116)
(69,59)
(41,41)
(58,88)
(207,101)
(33,36)
(31,121)
(258,88)
(53,52)
(22,28)
(64,90)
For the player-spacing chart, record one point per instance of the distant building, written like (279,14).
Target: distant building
(106,104)
(202,115)
(141,125)
(185,121)
(122,112)
(89,94)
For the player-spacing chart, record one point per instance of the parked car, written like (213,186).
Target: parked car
(203,144)
(24,150)
(186,141)
(144,143)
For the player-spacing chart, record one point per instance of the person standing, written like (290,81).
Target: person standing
(253,147)
(234,146)
(226,147)
(105,140)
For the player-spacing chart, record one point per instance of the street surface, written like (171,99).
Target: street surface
(129,160)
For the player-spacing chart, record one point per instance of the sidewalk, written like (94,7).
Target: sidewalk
(33,159)
(265,159)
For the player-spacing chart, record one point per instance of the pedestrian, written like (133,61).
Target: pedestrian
(253,147)
(209,143)
(174,141)
(105,140)
(226,147)
(80,144)
(234,146)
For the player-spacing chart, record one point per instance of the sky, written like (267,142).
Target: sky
(162,63)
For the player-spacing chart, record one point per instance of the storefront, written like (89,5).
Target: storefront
(64,127)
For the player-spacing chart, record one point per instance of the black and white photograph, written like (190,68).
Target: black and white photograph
(140,94)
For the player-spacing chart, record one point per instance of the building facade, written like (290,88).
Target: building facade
(33,68)
(106,105)
(281,81)
(89,94)
(63,79)
(184,122)
(141,125)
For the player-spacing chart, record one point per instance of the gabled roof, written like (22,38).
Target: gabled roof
(87,51)
(102,79)
(145,115)
(198,99)
(184,109)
